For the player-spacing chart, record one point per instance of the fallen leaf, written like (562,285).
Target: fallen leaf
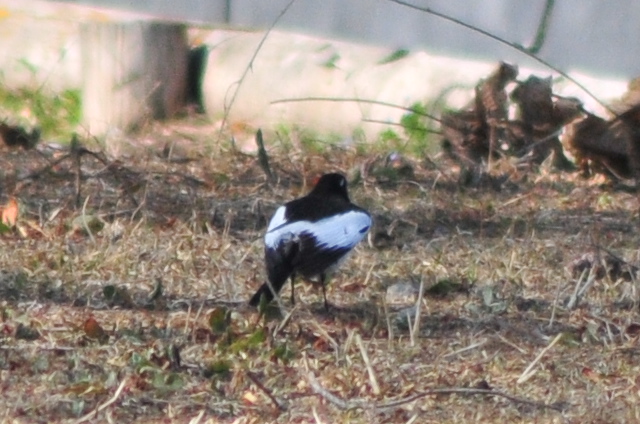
(26,333)
(633,329)
(591,374)
(94,331)
(10,212)
(219,320)
(250,398)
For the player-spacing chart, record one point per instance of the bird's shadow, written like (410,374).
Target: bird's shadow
(351,313)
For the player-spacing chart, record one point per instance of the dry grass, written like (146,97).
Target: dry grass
(502,347)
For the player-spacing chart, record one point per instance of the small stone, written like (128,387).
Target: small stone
(403,317)
(402,294)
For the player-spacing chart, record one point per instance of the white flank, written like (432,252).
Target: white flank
(337,231)
(277,219)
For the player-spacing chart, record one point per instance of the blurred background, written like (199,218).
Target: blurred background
(111,66)
(587,35)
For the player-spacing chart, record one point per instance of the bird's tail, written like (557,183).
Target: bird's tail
(264,291)
(279,269)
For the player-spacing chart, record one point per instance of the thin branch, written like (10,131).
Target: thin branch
(75,153)
(227,107)
(266,391)
(528,372)
(334,399)
(466,349)
(279,303)
(367,362)
(395,124)
(416,322)
(105,405)
(285,321)
(514,46)
(37,174)
(345,405)
(353,99)
(467,391)
(581,289)
(555,306)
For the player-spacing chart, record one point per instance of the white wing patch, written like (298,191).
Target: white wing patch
(339,231)
(277,219)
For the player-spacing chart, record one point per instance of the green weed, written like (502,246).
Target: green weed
(56,114)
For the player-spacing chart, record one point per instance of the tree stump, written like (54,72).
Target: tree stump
(132,72)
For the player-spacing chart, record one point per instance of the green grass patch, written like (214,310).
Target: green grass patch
(56,114)
(306,140)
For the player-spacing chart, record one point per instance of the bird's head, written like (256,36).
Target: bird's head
(333,184)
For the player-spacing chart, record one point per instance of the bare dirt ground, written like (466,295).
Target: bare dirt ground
(86,335)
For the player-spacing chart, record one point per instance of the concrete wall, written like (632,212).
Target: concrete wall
(592,36)
(127,68)
(46,36)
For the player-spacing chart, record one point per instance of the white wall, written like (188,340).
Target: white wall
(594,36)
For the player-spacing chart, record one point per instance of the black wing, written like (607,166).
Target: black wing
(314,258)
(280,266)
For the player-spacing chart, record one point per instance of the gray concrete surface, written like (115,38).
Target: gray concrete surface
(586,35)
(42,44)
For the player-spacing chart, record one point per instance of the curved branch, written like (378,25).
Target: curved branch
(249,67)
(357,100)
(343,404)
(505,42)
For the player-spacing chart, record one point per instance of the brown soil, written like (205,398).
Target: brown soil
(81,333)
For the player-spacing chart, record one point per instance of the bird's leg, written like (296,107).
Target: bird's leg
(293,299)
(323,278)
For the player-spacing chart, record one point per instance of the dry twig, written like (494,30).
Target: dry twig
(91,415)
(528,373)
(581,289)
(279,405)
(391,405)
(365,357)
(416,324)
(249,67)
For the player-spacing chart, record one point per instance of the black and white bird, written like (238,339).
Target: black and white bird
(311,236)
